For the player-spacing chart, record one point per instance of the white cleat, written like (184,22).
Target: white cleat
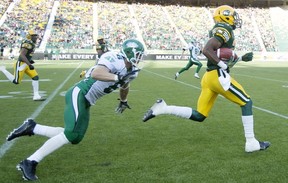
(176,75)
(156,109)
(256,145)
(196,76)
(38,98)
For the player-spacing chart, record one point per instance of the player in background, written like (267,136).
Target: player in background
(216,80)
(101,48)
(113,71)
(194,51)
(24,65)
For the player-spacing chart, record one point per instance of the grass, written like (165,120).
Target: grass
(123,149)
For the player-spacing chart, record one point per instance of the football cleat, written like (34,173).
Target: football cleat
(38,98)
(264,145)
(156,109)
(25,129)
(28,169)
(196,76)
(176,75)
(256,146)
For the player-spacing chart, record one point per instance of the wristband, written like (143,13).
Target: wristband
(116,77)
(222,65)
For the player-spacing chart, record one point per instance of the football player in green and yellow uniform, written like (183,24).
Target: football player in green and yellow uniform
(101,48)
(218,81)
(24,65)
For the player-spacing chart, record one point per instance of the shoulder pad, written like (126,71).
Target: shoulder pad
(222,32)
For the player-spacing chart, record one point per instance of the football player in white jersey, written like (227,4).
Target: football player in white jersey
(194,51)
(113,71)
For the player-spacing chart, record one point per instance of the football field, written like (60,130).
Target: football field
(122,149)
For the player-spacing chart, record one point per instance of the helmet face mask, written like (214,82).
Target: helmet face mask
(227,15)
(133,51)
(237,20)
(32,35)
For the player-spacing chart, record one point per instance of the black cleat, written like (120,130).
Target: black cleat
(148,115)
(156,109)
(25,129)
(264,145)
(28,169)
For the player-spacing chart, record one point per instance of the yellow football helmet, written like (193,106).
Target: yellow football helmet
(31,33)
(228,15)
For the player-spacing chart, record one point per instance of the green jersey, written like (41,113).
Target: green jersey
(224,33)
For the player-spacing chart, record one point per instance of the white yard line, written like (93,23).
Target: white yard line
(259,108)
(8,144)
(24,80)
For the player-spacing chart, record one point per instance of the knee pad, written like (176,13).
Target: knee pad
(73,137)
(247,108)
(196,116)
(36,78)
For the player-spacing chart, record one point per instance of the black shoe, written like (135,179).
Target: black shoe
(155,110)
(148,115)
(264,145)
(28,169)
(25,129)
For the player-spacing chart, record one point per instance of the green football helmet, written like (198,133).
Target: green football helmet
(133,51)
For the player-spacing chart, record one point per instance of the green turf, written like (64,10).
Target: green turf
(123,149)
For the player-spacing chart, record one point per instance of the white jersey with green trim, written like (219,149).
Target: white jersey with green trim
(95,89)
(194,51)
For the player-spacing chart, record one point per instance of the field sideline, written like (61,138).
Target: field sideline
(121,148)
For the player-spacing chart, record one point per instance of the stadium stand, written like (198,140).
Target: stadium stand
(3,6)
(73,26)
(280,28)
(264,23)
(157,31)
(32,14)
(191,22)
(77,25)
(115,23)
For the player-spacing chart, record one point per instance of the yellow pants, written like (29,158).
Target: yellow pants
(211,87)
(21,68)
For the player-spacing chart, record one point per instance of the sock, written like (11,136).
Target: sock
(248,124)
(183,112)
(48,147)
(9,76)
(47,131)
(35,85)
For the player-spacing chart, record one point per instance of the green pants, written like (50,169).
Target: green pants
(190,63)
(76,115)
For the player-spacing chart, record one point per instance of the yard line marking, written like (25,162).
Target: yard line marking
(257,77)
(259,108)
(24,80)
(8,144)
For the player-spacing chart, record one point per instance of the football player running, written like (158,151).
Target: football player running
(217,81)
(194,51)
(113,71)
(24,65)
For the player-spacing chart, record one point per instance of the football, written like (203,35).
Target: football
(225,54)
